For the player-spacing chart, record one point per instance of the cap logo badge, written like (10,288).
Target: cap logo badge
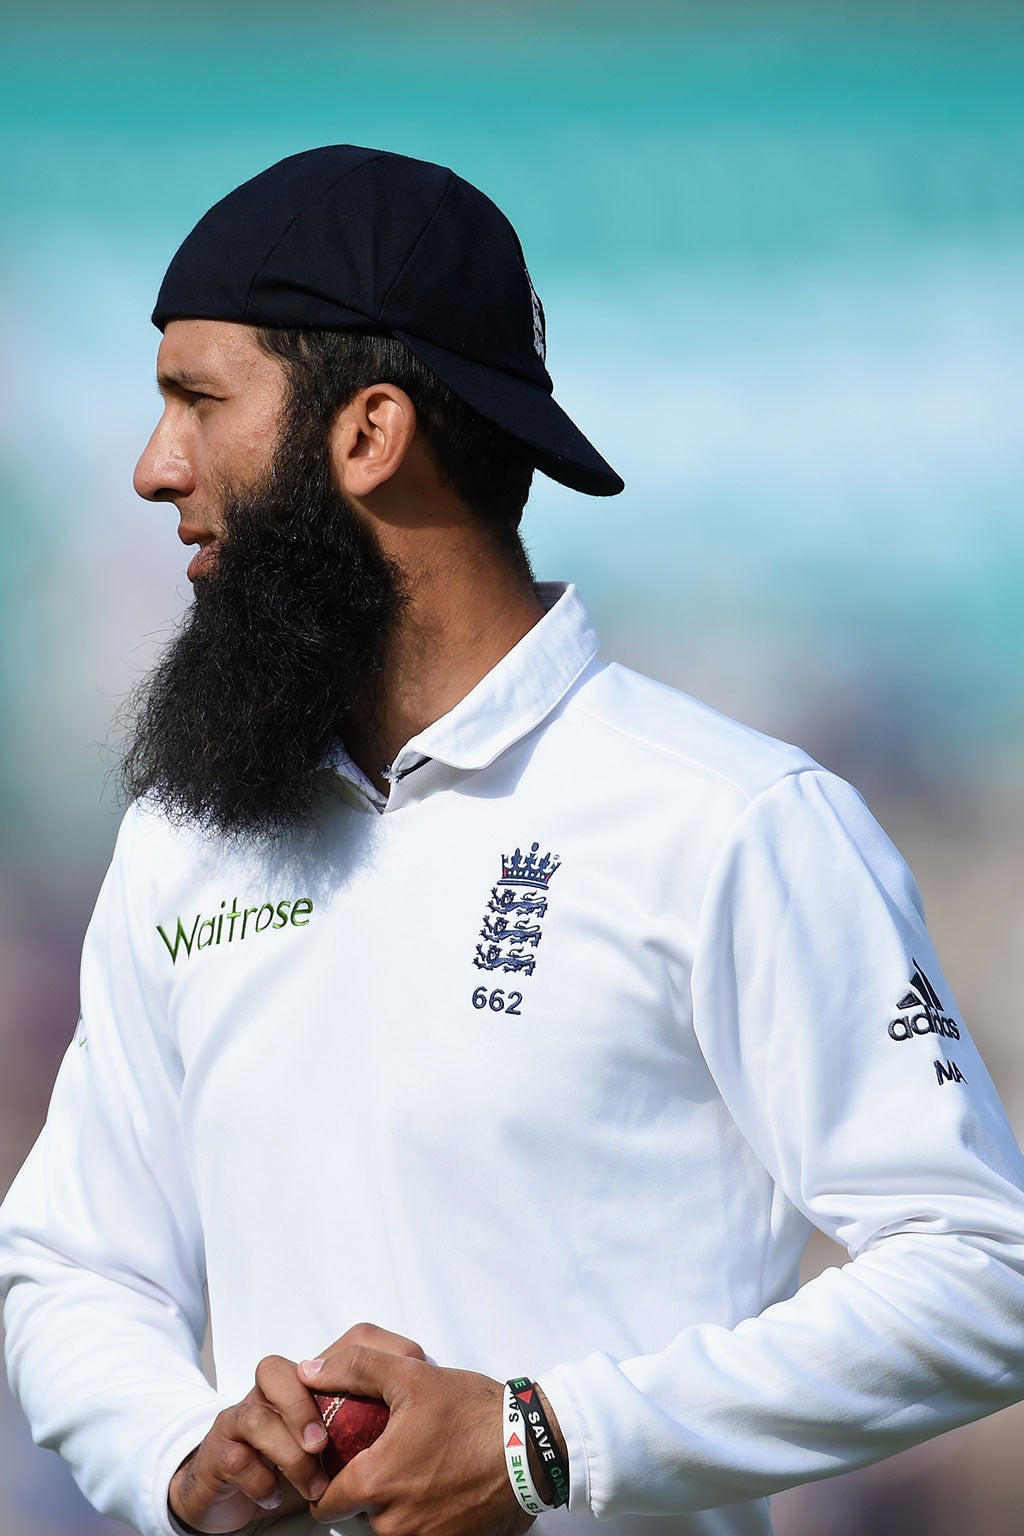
(539,343)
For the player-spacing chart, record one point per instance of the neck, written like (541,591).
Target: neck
(463,613)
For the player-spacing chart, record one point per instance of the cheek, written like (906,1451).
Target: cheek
(244,448)
(232,453)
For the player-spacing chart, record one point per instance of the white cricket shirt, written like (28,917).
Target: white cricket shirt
(549,1062)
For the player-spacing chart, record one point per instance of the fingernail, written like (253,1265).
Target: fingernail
(311,1366)
(313,1435)
(317,1487)
(272,1503)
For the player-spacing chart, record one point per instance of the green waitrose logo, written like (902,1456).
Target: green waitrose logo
(228,927)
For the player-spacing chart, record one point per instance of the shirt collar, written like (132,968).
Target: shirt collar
(517,694)
(508,703)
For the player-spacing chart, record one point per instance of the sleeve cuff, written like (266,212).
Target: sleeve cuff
(571,1425)
(188,1434)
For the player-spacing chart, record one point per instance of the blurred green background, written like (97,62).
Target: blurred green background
(780,247)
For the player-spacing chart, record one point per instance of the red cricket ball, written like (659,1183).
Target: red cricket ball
(352,1423)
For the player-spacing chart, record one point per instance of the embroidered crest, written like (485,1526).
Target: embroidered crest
(512,922)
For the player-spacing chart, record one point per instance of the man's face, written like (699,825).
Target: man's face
(224,403)
(295,602)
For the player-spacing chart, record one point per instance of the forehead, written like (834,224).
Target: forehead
(202,353)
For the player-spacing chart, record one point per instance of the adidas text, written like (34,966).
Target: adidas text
(925,1024)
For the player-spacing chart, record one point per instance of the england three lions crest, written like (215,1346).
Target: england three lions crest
(512,927)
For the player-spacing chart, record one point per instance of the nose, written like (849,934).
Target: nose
(164,471)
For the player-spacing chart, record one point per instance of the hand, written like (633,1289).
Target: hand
(232,1476)
(439,1467)
(261,1454)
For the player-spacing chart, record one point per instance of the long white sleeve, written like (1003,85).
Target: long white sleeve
(891,1141)
(104,1358)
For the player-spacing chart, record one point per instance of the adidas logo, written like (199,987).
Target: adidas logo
(920,1012)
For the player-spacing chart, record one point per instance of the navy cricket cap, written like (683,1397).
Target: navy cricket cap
(346,239)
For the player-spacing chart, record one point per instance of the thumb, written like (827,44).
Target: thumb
(356,1368)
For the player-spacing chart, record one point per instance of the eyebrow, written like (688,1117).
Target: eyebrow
(181,378)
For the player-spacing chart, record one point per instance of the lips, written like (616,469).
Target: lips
(203,559)
(205,556)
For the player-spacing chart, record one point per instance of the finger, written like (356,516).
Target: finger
(277,1380)
(354,1491)
(373,1337)
(356,1368)
(256,1427)
(221,1468)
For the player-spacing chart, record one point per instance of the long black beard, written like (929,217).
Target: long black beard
(288,631)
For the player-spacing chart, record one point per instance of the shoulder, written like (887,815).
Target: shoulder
(145,826)
(152,847)
(655,731)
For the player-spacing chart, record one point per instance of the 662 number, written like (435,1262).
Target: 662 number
(497,1000)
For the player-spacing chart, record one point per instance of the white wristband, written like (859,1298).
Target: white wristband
(515,1436)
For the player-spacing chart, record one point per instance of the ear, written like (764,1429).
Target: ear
(370,438)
